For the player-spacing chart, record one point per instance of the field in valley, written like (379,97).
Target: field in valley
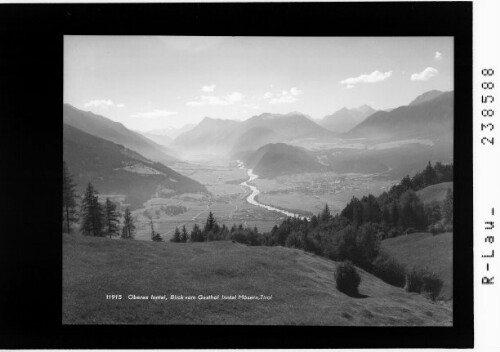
(301,286)
(305,193)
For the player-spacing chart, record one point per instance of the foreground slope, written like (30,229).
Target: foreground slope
(423,250)
(301,285)
(114,169)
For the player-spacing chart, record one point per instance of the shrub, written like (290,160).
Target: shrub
(394,232)
(347,278)
(413,281)
(448,228)
(436,228)
(432,284)
(423,281)
(388,269)
(410,230)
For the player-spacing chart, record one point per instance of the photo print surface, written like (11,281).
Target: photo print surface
(258,180)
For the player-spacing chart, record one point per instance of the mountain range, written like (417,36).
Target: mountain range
(115,169)
(105,128)
(229,136)
(345,119)
(429,116)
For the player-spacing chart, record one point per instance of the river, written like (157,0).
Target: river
(255,192)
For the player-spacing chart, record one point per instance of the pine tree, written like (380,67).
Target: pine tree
(92,213)
(177,236)
(128,225)
(325,215)
(447,207)
(68,199)
(184,234)
(111,218)
(152,228)
(196,235)
(395,213)
(430,176)
(210,222)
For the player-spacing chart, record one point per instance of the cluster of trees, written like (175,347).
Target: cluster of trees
(400,210)
(212,231)
(96,219)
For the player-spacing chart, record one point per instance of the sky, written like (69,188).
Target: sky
(150,82)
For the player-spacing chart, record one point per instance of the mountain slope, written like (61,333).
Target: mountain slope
(228,136)
(105,128)
(278,159)
(425,97)
(302,287)
(215,135)
(163,140)
(432,119)
(114,169)
(345,119)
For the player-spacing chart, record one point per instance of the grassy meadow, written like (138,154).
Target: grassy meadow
(423,250)
(301,286)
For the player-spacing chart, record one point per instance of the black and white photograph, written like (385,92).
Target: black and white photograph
(231,180)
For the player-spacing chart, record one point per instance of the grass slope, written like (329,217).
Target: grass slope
(423,250)
(435,192)
(301,284)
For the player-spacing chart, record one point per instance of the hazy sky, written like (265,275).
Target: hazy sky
(155,82)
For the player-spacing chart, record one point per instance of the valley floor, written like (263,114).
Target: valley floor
(300,285)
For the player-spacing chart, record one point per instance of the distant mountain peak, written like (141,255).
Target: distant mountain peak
(425,97)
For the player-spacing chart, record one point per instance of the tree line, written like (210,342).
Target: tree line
(96,219)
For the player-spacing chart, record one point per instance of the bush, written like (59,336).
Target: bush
(394,232)
(436,228)
(423,281)
(432,285)
(410,230)
(347,278)
(388,269)
(448,228)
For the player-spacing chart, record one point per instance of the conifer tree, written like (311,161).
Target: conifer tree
(111,218)
(128,229)
(447,207)
(68,199)
(325,215)
(177,236)
(196,235)
(92,213)
(184,234)
(209,226)
(395,213)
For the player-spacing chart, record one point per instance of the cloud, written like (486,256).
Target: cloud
(102,103)
(268,95)
(252,106)
(425,75)
(228,99)
(234,97)
(438,55)
(374,77)
(154,114)
(209,88)
(285,97)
